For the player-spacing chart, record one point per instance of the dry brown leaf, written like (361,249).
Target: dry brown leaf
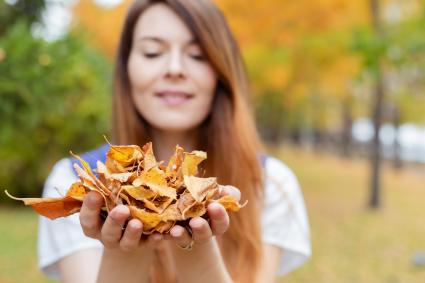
(155,180)
(164,227)
(149,160)
(158,204)
(90,173)
(77,191)
(191,162)
(114,166)
(230,203)
(175,163)
(102,169)
(52,207)
(122,177)
(149,219)
(139,193)
(200,187)
(197,209)
(125,154)
(172,213)
(159,196)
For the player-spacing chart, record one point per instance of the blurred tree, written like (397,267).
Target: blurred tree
(28,11)
(282,53)
(102,24)
(406,75)
(300,64)
(379,93)
(304,62)
(393,56)
(55,98)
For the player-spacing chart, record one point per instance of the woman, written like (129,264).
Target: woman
(180,79)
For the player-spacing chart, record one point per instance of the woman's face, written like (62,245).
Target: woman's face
(172,83)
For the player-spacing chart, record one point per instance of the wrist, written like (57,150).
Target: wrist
(140,254)
(122,266)
(204,259)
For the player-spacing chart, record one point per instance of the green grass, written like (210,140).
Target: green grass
(350,242)
(18,236)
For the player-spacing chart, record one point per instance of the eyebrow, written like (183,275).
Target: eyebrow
(152,38)
(160,40)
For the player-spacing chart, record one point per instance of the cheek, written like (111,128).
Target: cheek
(135,73)
(141,83)
(205,79)
(141,74)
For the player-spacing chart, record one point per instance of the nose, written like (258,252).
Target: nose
(175,68)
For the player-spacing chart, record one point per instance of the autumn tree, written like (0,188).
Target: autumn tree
(54,98)
(102,24)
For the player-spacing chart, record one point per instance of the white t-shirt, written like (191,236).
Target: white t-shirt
(284,220)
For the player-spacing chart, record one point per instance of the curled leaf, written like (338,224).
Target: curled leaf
(159,196)
(52,207)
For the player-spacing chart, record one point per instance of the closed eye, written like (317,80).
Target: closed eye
(152,55)
(198,57)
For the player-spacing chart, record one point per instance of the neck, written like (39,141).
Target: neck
(164,143)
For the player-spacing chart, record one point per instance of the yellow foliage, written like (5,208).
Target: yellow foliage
(312,35)
(103,24)
(283,22)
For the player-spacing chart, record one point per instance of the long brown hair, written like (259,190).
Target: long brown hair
(228,134)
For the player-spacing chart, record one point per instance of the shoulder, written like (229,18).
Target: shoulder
(92,156)
(279,181)
(62,237)
(63,174)
(277,171)
(60,178)
(284,216)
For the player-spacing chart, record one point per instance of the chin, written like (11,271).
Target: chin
(176,126)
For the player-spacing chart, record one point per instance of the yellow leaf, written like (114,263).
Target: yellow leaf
(200,187)
(191,162)
(155,180)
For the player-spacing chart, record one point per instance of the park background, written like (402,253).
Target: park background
(326,75)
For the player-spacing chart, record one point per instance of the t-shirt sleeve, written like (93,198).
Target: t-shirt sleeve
(284,220)
(63,236)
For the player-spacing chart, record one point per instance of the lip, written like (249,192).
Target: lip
(174,97)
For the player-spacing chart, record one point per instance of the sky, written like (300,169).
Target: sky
(57,17)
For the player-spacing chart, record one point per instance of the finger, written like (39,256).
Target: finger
(167,236)
(201,230)
(90,214)
(218,217)
(132,234)
(153,240)
(180,236)
(231,191)
(112,228)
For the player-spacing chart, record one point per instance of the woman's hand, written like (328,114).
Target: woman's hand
(202,231)
(111,232)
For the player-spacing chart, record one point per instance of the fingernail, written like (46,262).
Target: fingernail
(196,223)
(118,212)
(136,224)
(158,237)
(175,233)
(215,206)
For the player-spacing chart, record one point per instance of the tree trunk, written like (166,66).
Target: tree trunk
(375,161)
(346,139)
(397,163)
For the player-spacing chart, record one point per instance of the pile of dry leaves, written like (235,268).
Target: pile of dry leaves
(159,196)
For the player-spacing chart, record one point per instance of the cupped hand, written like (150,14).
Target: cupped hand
(201,230)
(115,235)
(112,232)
